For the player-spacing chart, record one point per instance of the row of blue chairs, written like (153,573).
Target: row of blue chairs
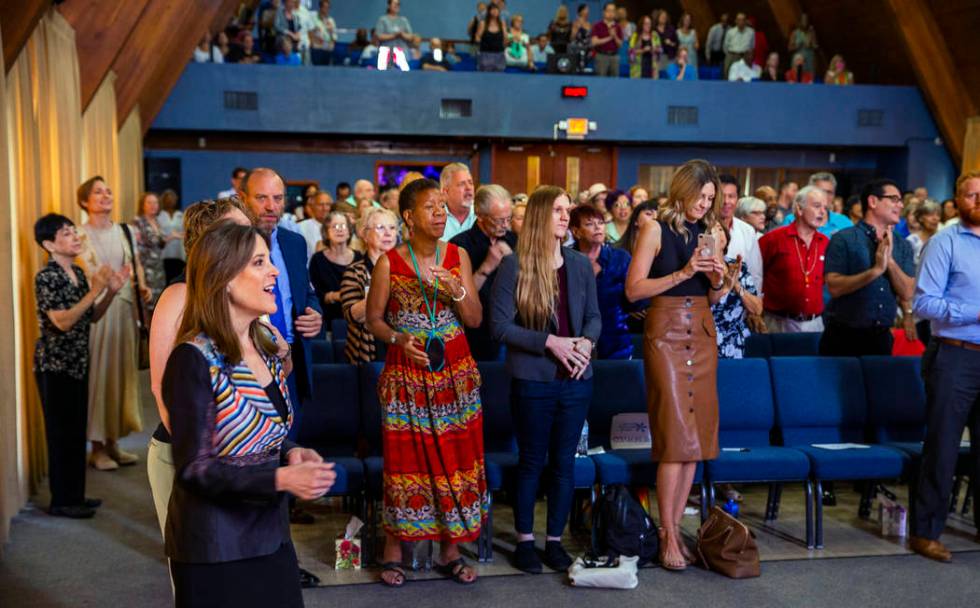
(771,412)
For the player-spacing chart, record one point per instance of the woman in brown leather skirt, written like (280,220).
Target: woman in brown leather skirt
(680,354)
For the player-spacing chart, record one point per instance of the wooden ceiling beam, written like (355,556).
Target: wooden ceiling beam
(787,15)
(195,23)
(20,17)
(934,69)
(101,28)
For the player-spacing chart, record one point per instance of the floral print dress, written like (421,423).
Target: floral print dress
(730,317)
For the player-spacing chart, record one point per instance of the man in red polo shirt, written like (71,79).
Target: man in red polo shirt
(792,261)
(607,37)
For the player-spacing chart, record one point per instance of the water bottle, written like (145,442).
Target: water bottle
(583,441)
(731,507)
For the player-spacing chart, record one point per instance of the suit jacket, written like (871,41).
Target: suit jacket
(527,358)
(293,247)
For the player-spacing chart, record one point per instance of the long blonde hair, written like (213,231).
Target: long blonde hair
(537,283)
(685,189)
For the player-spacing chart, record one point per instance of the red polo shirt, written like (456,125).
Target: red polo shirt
(788,291)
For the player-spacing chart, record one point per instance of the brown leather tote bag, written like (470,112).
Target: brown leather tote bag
(727,546)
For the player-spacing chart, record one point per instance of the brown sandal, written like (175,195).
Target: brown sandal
(675,566)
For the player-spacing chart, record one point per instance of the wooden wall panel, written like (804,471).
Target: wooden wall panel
(931,60)
(101,28)
(786,14)
(17,21)
(959,22)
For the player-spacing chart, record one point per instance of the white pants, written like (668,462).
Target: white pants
(160,470)
(783,325)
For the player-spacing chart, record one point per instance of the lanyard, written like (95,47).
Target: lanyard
(425,298)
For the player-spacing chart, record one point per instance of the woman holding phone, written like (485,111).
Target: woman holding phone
(675,263)
(422,293)
(546,311)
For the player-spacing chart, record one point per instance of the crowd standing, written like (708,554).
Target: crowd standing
(656,44)
(436,276)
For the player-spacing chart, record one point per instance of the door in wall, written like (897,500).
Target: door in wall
(574,167)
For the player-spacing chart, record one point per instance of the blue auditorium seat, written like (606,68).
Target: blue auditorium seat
(897,406)
(619,388)
(758,346)
(338,347)
(371,417)
(806,344)
(822,400)
(747,416)
(338,329)
(322,352)
(499,445)
(331,423)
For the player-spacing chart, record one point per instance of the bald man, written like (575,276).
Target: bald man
(363,194)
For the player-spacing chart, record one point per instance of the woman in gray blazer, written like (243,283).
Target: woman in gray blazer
(544,309)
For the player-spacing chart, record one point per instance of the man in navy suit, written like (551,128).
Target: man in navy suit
(298,316)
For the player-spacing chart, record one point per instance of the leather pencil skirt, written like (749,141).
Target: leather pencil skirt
(681,367)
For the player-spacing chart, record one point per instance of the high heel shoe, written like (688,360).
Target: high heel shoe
(672,565)
(685,551)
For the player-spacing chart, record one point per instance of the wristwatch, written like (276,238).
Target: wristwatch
(394,338)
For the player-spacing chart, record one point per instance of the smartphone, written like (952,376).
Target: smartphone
(706,245)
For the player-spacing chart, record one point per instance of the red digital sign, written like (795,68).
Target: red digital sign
(574,92)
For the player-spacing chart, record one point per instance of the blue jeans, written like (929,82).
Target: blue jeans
(548,419)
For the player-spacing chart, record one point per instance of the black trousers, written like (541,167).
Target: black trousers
(64,401)
(952,403)
(842,341)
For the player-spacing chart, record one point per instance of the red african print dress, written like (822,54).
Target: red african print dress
(434,480)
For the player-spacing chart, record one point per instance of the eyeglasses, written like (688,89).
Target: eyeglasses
(339,226)
(895,198)
(622,205)
(499,221)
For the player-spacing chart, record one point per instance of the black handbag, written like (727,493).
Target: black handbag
(142,326)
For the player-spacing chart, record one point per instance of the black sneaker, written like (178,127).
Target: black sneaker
(526,558)
(93,503)
(555,556)
(73,512)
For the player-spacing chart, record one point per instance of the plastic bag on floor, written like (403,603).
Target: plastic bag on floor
(894,517)
(608,573)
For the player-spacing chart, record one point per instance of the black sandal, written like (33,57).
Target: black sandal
(455,570)
(395,567)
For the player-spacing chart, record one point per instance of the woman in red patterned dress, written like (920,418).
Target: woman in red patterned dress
(422,293)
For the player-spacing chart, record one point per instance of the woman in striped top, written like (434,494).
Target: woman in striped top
(379,230)
(227,532)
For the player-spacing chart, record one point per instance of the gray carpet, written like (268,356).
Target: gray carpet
(115,560)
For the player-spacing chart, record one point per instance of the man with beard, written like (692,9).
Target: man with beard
(948,295)
(867,270)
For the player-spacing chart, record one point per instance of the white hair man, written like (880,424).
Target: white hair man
(835,221)
(487,242)
(793,259)
(457,186)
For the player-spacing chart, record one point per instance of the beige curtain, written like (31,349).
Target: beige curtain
(131,182)
(43,146)
(100,144)
(13,490)
(47,148)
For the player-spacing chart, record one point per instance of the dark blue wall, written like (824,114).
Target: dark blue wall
(787,125)
(204,173)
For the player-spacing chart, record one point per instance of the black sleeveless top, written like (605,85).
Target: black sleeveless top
(492,42)
(674,254)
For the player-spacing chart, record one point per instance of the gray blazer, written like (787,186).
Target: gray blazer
(527,358)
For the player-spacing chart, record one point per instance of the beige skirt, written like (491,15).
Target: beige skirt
(113,374)
(681,367)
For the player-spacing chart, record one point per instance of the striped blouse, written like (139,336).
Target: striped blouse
(354,286)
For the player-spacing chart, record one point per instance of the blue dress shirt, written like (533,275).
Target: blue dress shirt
(947,290)
(282,282)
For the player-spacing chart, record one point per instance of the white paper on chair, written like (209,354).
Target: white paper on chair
(840,446)
(630,431)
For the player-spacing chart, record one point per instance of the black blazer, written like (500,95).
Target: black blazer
(221,509)
(293,247)
(527,358)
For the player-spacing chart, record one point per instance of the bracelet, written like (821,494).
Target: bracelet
(394,337)
(462,297)
(719,288)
